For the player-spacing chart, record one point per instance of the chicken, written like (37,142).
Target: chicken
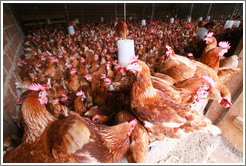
(79,106)
(95,64)
(101,70)
(93,82)
(228,68)
(161,116)
(184,92)
(226,74)
(211,43)
(212,57)
(73,84)
(51,69)
(139,139)
(229,62)
(181,68)
(219,91)
(122,29)
(76,139)
(82,68)
(58,110)
(101,96)
(101,119)
(178,67)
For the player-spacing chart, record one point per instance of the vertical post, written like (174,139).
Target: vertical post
(191,8)
(143,11)
(209,10)
(233,11)
(66,12)
(125,17)
(115,11)
(176,15)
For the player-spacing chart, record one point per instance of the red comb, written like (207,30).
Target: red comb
(80,93)
(107,80)
(133,59)
(225,44)
(36,87)
(210,80)
(210,34)
(95,117)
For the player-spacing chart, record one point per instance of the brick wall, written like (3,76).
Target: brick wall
(12,49)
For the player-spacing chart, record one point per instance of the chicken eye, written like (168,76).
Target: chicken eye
(42,94)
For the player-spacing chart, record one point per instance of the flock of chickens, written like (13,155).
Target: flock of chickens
(79,105)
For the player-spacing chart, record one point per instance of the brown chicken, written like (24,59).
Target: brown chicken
(212,57)
(51,69)
(181,68)
(122,29)
(228,68)
(139,139)
(79,106)
(73,84)
(178,67)
(75,140)
(184,92)
(211,43)
(160,115)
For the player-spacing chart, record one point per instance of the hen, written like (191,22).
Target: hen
(178,67)
(212,57)
(122,29)
(184,92)
(76,139)
(160,115)
(210,41)
(228,68)
(181,68)
(139,139)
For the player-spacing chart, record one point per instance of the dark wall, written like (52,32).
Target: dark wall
(12,49)
(31,14)
(139,10)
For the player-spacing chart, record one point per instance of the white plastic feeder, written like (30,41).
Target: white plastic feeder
(48,21)
(130,18)
(208,18)
(228,24)
(200,18)
(202,32)
(71,30)
(143,22)
(236,24)
(77,20)
(189,19)
(171,20)
(102,19)
(125,51)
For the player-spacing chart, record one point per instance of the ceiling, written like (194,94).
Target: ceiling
(85,11)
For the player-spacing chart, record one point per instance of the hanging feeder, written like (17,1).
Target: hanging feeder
(189,19)
(200,18)
(228,24)
(125,48)
(171,20)
(71,30)
(77,20)
(143,22)
(102,19)
(208,17)
(236,24)
(125,51)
